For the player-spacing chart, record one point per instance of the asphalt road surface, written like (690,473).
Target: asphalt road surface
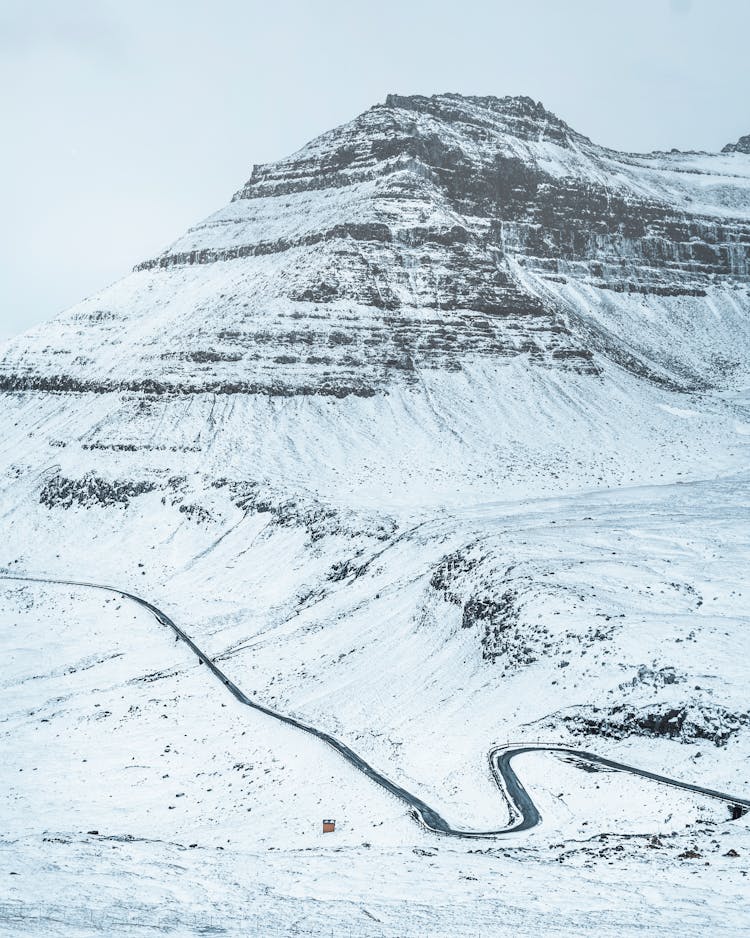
(524,814)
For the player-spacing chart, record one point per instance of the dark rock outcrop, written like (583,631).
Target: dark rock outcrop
(742,146)
(686,723)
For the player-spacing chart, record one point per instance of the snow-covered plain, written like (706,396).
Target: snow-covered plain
(508,541)
(115,727)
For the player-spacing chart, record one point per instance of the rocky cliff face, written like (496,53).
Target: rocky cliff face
(429,234)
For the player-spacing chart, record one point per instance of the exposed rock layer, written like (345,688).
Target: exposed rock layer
(427,234)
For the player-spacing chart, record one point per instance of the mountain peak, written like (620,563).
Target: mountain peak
(433,129)
(487,102)
(518,115)
(428,234)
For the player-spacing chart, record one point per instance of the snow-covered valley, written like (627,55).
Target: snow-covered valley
(427,444)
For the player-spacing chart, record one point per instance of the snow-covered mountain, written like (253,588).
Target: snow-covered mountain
(436,436)
(392,246)
(442,280)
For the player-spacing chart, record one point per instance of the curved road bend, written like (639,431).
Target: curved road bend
(524,814)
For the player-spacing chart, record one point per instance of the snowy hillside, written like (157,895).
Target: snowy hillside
(435,438)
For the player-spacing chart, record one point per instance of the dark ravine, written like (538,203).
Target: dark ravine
(523,811)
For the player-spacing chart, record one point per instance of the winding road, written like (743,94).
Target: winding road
(524,814)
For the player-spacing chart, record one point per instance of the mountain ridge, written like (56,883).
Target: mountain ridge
(427,233)
(547,309)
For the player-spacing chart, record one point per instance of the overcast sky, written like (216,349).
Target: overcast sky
(125,122)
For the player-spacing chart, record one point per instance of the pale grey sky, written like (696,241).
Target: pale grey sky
(125,122)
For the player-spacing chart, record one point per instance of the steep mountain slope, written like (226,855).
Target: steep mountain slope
(459,271)
(392,245)
(436,436)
